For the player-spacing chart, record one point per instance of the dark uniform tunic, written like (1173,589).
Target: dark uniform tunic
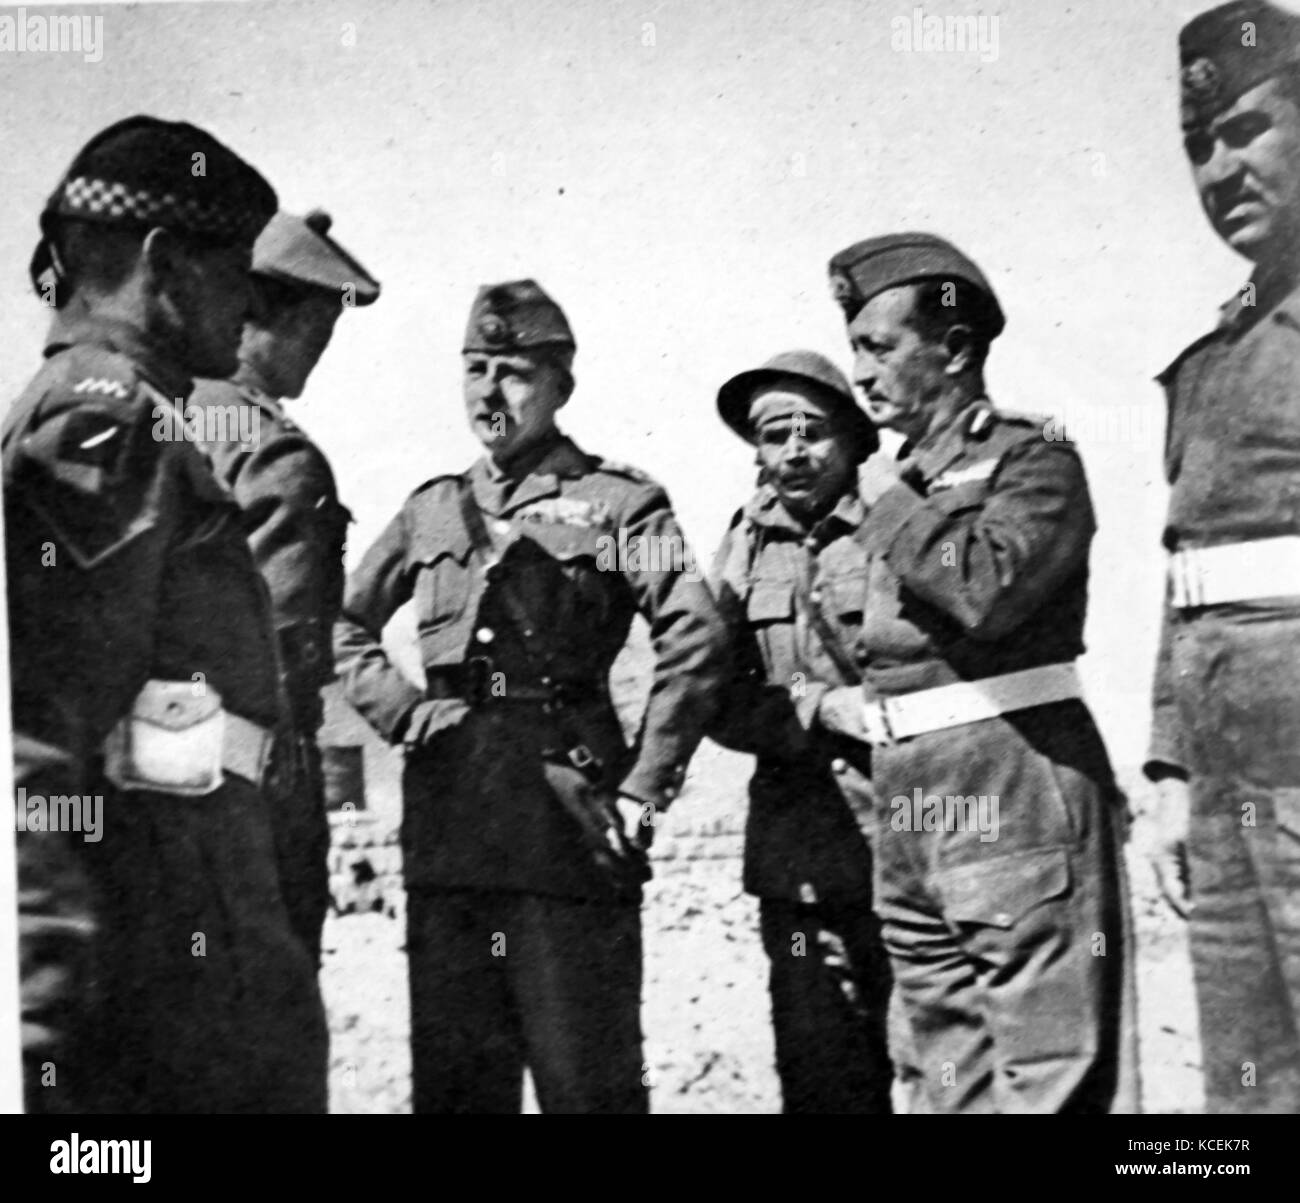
(126,562)
(978,567)
(1227,701)
(811,810)
(297,530)
(491,846)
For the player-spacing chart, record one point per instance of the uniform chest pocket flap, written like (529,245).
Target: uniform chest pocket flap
(439,556)
(846,594)
(770,601)
(570,542)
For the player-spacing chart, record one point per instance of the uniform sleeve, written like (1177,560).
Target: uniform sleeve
(287,494)
(1166,750)
(754,715)
(690,647)
(378,690)
(991,560)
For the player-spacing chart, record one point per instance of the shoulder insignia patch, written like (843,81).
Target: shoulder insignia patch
(102,386)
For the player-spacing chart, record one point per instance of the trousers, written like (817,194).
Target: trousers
(502,980)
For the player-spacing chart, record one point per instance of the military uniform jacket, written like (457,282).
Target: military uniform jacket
(1232,457)
(809,786)
(979,556)
(588,545)
(296,526)
(126,558)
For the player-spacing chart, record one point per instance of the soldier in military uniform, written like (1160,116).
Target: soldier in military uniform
(525,814)
(141,640)
(1225,749)
(790,578)
(998,870)
(296,526)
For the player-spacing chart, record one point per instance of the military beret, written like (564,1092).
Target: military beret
(735,396)
(1231,49)
(877,264)
(298,251)
(516,316)
(147,172)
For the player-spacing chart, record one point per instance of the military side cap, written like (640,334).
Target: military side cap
(299,251)
(877,264)
(516,316)
(1231,49)
(735,396)
(147,172)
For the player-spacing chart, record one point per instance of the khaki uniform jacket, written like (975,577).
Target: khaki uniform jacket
(589,544)
(810,789)
(296,526)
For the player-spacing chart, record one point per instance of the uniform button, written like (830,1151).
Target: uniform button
(485,634)
(1002,919)
(839,765)
(815,596)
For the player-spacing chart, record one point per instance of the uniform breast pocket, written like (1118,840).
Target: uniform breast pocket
(960,498)
(845,595)
(442,588)
(770,601)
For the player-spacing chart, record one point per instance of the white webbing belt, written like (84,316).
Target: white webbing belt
(245,747)
(890,719)
(1211,576)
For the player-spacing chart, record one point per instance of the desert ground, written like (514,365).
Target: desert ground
(705,1007)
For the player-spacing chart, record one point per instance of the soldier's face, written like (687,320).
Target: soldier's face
(288,337)
(511,400)
(211,295)
(804,451)
(902,374)
(1246,164)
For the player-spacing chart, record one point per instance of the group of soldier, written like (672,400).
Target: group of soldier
(892,637)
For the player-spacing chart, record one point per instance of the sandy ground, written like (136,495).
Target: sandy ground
(705,1013)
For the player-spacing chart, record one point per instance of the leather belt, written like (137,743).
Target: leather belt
(1211,576)
(245,747)
(890,719)
(475,682)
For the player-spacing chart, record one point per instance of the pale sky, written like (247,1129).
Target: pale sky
(676,175)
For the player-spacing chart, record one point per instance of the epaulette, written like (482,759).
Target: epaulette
(433,482)
(627,471)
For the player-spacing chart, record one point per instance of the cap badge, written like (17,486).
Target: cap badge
(493,329)
(1201,82)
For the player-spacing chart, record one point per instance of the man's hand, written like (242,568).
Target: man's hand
(840,711)
(639,820)
(1165,842)
(877,476)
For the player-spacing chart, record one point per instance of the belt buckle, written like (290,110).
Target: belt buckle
(1188,586)
(876,721)
(478,675)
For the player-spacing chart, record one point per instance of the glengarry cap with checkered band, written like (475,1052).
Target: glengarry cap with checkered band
(1229,50)
(299,252)
(516,316)
(147,172)
(874,265)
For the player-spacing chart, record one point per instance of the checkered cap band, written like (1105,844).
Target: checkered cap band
(104,200)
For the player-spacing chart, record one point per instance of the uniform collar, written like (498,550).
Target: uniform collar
(76,325)
(250,379)
(765,509)
(502,492)
(938,448)
(1281,304)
